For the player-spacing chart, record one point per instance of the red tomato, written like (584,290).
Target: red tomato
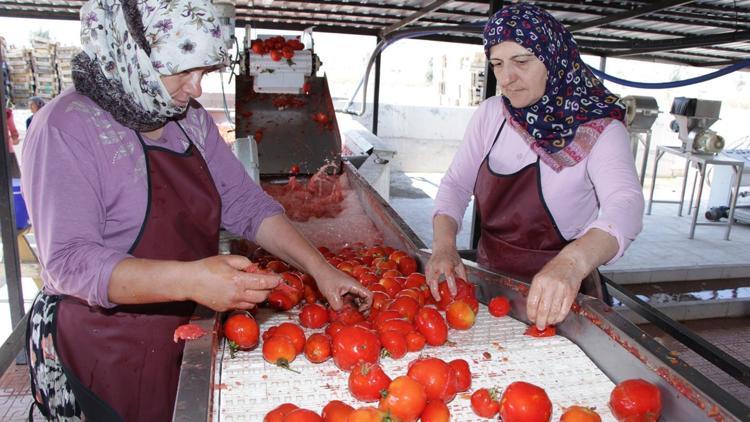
(415,341)
(347,315)
(525,402)
(384,264)
(413,293)
(306,88)
(242,330)
(258,136)
(394,344)
(313,316)
(391,286)
(287,52)
(436,411)
(406,265)
(637,399)
(257,47)
(318,348)
(366,414)
(294,169)
(302,415)
(278,413)
(277,266)
(463,374)
(379,299)
(580,414)
(367,381)
(336,411)
(353,344)
(312,295)
(405,399)
(275,55)
(295,44)
(269,333)
(463,290)
(279,350)
(484,403)
(294,332)
(334,328)
(437,377)
(432,326)
(406,306)
(415,280)
(396,324)
(459,315)
(280,300)
(548,331)
(499,306)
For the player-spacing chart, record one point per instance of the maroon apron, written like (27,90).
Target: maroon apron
(122,363)
(518,233)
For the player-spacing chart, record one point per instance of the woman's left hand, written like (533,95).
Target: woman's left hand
(334,285)
(553,290)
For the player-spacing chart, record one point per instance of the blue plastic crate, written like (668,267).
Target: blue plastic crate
(22,214)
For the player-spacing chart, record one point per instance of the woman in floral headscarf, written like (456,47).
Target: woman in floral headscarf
(550,167)
(128,182)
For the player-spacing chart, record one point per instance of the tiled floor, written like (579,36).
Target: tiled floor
(15,395)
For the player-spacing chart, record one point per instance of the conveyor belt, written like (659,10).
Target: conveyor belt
(497,351)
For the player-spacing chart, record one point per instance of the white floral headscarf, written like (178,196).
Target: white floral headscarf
(133,43)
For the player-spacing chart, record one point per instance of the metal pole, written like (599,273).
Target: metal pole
(11,258)
(376,100)
(602,63)
(490,89)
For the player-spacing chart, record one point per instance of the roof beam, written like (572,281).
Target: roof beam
(665,4)
(36,13)
(437,4)
(644,46)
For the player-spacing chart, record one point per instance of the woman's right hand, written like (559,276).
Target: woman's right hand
(220,284)
(444,261)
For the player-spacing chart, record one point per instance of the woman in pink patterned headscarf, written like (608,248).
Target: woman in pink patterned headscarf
(550,168)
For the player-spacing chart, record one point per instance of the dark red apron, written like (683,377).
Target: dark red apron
(122,363)
(518,233)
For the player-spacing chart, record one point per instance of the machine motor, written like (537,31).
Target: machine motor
(693,118)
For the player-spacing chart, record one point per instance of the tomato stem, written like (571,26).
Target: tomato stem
(283,363)
(233,348)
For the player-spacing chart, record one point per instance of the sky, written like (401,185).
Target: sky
(405,64)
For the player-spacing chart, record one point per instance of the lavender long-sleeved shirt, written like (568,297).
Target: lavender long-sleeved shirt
(84,179)
(602,191)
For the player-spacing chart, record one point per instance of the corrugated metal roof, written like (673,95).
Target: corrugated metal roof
(701,33)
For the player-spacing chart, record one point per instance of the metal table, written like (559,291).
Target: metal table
(701,161)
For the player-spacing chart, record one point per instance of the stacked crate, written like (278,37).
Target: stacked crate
(43,62)
(21,75)
(65,56)
(4,71)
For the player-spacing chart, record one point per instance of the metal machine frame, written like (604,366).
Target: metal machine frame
(619,348)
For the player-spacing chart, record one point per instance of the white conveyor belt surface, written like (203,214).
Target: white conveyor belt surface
(498,353)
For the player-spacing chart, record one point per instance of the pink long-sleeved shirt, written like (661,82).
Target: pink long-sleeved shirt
(602,191)
(85,184)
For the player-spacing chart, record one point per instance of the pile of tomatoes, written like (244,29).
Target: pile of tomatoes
(277,47)
(404,317)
